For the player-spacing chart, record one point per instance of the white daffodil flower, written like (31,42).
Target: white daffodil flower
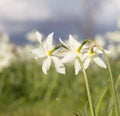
(73,53)
(93,55)
(99,39)
(113,36)
(46,51)
(5,59)
(6,54)
(32,36)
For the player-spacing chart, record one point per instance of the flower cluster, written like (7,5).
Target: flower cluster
(6,54)
(111,41)
(71,51)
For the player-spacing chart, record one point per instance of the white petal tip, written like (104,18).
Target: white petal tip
(45,73)
(51,34)
(36,58)
(70,35)
(105,67)
(76,73)
(38,36)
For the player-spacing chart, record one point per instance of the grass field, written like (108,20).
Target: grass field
(26,91)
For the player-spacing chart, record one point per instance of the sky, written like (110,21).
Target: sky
(16,13)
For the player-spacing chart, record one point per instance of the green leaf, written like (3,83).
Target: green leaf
(100,98)
(111,104)
(76,114)
(86,109)
(117,83)
(110,112)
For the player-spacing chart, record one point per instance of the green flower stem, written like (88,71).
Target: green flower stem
(111,76)
(88,89)
(112,84)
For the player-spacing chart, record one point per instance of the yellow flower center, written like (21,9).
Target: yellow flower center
(91,52)
(49,53)
(78,50)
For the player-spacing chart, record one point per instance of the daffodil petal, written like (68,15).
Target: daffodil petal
(107,51)
(68,57)
(74,44)
(58,65)
(84,56)
(97,50)
(38,37)
(48,44)
(87,62)
(46,65)
(63,43)
(100,51)
(60,52)
(77,66)
(39,52)
(99,62)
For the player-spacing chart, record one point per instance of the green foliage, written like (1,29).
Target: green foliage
(26,91)
(100,98)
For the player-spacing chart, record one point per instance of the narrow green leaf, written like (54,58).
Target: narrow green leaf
(86,109)
(111,104)
(100,98)
(110,112)
(76,114)
(117,83)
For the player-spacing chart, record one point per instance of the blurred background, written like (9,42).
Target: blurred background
(84,18)
(24,89)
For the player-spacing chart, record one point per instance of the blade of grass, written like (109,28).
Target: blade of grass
(85,109)
(111,104)
(117,83)
(100,98)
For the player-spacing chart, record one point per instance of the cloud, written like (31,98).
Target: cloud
(66,7)
(108,12)
(105,11)
(21,10)
(17,11)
